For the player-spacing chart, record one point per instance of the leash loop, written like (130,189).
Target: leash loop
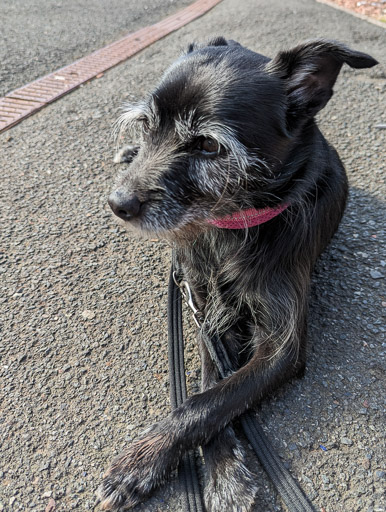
(188,298)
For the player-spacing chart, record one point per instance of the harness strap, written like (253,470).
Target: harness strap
(285,484)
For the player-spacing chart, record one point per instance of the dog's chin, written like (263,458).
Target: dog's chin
(180,232)
(185,234)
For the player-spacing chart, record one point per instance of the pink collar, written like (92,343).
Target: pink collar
(248,218)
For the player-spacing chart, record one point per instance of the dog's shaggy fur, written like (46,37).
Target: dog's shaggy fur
(226,130)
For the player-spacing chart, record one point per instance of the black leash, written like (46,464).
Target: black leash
(291,494)
(187,470)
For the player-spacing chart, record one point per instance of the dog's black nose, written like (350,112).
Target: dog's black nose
(125,206)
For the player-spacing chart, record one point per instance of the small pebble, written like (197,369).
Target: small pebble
(88,315)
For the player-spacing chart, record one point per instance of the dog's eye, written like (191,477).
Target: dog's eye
(208,145)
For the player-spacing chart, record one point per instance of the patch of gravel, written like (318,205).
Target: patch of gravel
(38,37)
(83,349)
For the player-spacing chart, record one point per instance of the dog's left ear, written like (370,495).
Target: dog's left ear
(310,71)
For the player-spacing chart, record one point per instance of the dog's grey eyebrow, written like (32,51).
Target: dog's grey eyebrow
(132,113)
(188,126)
(135,112)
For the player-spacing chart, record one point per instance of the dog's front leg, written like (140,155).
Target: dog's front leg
(229,484)
(146,464)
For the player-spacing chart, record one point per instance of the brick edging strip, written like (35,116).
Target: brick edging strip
(21,103)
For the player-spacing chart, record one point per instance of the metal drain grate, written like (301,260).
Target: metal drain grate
(30,98)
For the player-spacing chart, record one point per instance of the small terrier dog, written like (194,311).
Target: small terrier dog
(232,168)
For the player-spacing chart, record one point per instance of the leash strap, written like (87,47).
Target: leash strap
(285,484)
(187,471)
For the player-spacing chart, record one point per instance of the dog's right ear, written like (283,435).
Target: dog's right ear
(309,72)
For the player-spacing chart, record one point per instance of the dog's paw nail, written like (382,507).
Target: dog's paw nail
(119,502)
(97,502)
(110,496)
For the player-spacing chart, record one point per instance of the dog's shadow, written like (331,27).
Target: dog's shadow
(346,295)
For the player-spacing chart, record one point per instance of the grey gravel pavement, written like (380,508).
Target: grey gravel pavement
(39,36)
(83,350)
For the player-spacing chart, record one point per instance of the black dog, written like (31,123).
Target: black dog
(232,168)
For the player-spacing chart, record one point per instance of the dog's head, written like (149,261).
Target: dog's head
(215,132)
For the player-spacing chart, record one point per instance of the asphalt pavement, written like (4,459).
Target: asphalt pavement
(38,37)
(83,356)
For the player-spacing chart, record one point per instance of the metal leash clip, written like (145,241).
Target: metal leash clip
(188,298)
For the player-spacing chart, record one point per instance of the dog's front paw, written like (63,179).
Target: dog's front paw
(230,485)
(233,489)
(136,473)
